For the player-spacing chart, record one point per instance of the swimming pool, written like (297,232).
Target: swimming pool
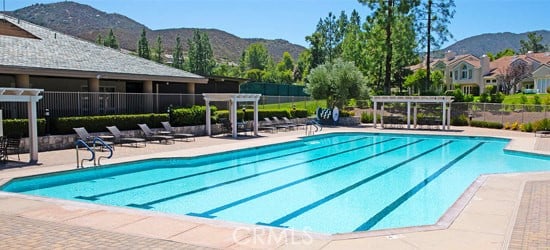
(333,183)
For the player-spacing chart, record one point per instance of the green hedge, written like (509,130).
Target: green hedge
(65,125)
(20,127)
(542,125)
(484,124)
(461,120)
(195,115)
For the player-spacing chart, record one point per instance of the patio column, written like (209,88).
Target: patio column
(22,81)
(147,86)
(93,84)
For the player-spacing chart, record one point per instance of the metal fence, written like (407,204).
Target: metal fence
(65,104)
(489,112)
(501,113)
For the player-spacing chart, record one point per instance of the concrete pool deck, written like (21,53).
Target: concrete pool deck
(496,212)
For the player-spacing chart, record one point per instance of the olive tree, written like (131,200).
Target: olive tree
(336,82)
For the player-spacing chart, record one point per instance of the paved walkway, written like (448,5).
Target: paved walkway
(24,233)
(483,218)
(531,230)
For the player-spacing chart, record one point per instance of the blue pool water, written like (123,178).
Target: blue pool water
(334,183)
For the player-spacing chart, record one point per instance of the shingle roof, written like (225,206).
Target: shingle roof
(59,52)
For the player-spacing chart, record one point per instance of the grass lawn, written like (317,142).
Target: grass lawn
(309,105)
(527,99)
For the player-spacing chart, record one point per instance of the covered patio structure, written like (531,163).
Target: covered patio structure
(233,99)
(31,97)
(444,101)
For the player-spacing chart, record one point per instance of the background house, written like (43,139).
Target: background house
(474,74)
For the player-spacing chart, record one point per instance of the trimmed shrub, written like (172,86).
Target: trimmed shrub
(484,124)
(526,127)
(298,113)
(65,125)
(542,125)
(16,128)
(461,120)
(367,117)
(195,115)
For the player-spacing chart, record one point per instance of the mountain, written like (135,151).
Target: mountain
(87,22)
(494,42)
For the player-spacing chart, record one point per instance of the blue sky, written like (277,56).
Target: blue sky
(292,20)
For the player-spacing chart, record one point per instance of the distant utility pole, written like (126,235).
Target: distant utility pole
(4,5)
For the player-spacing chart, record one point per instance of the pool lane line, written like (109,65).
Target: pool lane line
(392,206)
(97,196)
(147,205)
(208,214)
(304,209)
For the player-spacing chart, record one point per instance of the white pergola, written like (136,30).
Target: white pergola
(444,100)
(31,97)
(233,99)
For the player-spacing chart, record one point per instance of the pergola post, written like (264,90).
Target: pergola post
(444,120)
(408,115)
(208,115)
(414,114)
(233,113)
(382,116)
(374,114)
(449,117)
(33,132)
(255,124)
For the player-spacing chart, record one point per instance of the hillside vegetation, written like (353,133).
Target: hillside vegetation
(87,22)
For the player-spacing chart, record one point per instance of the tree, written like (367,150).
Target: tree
(99,39)
(303,66)
(143,46)
(110,40)
(337,82)
(256,57)
(505,52)
(512,77)
(532,44)
(286,62)
(201,59)
(158,51)
(317,50)
(373,54)
(438,14)
(353,44)
(178,55)
(385,12)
